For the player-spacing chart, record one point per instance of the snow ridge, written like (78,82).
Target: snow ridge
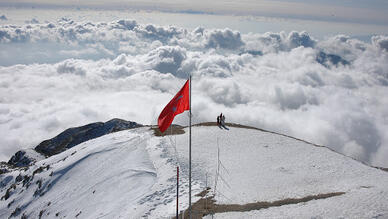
(132,174)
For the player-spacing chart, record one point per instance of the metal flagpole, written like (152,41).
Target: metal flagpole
(190,148)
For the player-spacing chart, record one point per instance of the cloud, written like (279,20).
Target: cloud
(3,18)
(380,42)
(224,92)
(32,21)
(166,59)
(296,39)
(226,39)
(70,66)
(292,99)
(330,92)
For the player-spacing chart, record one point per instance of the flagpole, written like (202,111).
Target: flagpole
(190,148)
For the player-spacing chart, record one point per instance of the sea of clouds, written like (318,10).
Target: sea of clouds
(56,75)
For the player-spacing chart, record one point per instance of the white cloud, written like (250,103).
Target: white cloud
(32,21)
(380,42)
(330,92)
(70,66)
(226,39)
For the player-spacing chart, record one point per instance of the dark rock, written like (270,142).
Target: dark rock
(74,136)
(38,170)
(20,159)
(19,178)
(3,170)
(27,180)
(65,140)
(16,212)
(10,203)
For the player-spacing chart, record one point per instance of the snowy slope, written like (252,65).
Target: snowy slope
(262,166)
(131,174)
(120,175)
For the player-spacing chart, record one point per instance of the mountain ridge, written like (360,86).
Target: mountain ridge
(68,139)
(131,173)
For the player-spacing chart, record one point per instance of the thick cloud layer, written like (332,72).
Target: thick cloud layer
(62,74)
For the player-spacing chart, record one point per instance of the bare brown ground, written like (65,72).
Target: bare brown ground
(172,130)
(382,168)
(207,205)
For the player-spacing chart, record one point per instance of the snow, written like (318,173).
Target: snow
(361,203)
(108,177)
(262,166)
(33,154)
(132,174)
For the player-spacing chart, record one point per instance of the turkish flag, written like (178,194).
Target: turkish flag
(178,104)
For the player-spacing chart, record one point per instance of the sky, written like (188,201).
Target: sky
(357,11)
(296,70)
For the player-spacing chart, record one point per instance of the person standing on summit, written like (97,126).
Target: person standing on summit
(221,121)
(222,117)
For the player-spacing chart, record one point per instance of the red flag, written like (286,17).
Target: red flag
(177,105)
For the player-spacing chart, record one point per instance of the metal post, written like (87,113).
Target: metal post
(206,181)
(177,192)
(190,149)
(206,190)
(218,169)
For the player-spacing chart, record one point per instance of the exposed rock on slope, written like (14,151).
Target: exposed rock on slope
(251,174)
(73,136)
(70,138)
(24,158)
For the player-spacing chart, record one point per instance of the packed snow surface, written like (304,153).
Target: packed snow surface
(120,175)
(262,166)
(131,174)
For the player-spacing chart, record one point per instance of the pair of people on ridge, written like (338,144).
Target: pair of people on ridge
(221,120)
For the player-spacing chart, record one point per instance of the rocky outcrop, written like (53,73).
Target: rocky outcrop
(67,139)
(74,136)
(21,159)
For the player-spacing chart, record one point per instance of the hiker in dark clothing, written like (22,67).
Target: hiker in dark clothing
(218,120)
(222,117)
(222,121)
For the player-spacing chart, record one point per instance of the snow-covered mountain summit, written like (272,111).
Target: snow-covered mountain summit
(251,174)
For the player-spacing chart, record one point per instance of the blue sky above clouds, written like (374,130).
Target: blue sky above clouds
(358,11)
